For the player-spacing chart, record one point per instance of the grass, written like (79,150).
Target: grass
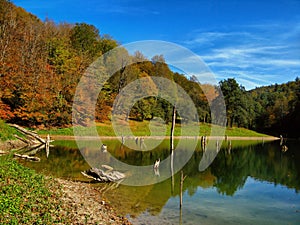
(6,132)
(25,196)
(242,132)
(142,129)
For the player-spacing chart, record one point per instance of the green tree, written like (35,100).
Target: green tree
(236,102)
(85,38)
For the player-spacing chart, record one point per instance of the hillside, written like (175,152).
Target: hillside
(280,108)
(41,64)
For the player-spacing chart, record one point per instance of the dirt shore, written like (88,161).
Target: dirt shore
(86,205)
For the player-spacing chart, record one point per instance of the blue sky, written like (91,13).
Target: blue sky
(256,42)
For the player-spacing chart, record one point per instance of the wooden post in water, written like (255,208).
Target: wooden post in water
(47,145)
(182,178)
(172,145)
(172,129)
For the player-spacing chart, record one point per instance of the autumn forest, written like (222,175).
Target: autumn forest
(41,63)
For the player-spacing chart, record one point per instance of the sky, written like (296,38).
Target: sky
(256,42)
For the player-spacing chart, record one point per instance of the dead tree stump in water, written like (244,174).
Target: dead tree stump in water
(182,178)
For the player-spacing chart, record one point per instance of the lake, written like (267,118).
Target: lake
(245,182)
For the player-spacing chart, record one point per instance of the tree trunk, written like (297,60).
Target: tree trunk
(172,146)
(182,178)
(33,141)
(33,137)
(172,129)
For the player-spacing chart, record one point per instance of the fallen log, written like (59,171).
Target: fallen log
(100,175)
(33,140)
(31,135)
(22,139)
(31,158)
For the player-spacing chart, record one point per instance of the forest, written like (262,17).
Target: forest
(41,63)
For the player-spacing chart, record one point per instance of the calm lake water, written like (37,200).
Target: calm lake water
(248,182)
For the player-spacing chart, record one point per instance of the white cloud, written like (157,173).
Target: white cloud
(248,79)
(198,37)
(261,55)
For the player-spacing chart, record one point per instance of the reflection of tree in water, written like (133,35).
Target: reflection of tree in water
(266,163)
(228,173)
(65,162)
(230,170)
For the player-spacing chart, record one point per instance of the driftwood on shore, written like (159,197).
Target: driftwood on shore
(31,136)
(101,175)
(33,143)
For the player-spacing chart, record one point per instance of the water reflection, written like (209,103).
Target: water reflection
(245,180)
(262,162)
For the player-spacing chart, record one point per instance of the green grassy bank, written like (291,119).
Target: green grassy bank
(137,128)
(6,132)
(142,129)
(25,196)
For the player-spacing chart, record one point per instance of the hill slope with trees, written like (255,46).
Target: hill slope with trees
(42,62)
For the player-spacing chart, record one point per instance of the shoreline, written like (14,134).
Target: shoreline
(87,205)
(70,137)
